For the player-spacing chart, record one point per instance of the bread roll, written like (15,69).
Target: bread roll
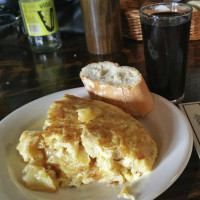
(121,86)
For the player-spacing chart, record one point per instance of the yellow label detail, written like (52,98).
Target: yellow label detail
(39,17)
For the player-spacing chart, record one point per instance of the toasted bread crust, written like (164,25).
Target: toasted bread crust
(136,100)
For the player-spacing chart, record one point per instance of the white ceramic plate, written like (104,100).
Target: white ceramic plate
(165,123)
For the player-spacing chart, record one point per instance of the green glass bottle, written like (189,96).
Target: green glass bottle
(39,17)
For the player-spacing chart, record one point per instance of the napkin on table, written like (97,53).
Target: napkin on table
(192,112)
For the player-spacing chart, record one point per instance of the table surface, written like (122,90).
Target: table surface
(25,76)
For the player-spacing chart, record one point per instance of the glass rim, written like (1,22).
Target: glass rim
(189,10)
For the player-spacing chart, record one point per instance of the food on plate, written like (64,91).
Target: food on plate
(125,193)
(122,86)
(84,141)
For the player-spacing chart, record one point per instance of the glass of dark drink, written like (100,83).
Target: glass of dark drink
(166,31)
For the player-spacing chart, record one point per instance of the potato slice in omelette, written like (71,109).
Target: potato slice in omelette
(87,140)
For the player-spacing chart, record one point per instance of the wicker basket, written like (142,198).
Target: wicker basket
(131,20)
(134,26)
(195,26)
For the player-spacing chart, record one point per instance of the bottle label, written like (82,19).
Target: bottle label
(39,17)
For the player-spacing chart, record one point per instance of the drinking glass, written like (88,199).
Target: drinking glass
(102,24)
(166,31)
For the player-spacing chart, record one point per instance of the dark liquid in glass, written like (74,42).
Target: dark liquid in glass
(165,48)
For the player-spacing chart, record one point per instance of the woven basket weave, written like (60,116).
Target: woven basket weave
(131,20)
(195,26)
(134,25)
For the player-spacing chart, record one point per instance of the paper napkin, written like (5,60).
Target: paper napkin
(192,112)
